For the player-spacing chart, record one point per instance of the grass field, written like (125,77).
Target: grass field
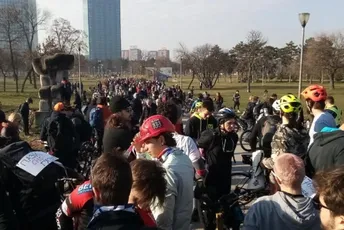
(11,100)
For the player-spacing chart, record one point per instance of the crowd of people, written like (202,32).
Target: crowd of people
(146,162)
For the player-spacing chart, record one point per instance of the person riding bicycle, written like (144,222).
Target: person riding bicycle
(315,96)
(291,136)
(219,145)
(333,110)
(264,129)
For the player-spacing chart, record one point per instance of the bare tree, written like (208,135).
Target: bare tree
(66,37)
(30,20)
(254,45)
(10,36)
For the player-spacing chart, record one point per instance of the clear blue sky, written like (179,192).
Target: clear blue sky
(153,24)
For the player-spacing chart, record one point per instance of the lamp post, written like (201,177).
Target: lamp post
(303,17)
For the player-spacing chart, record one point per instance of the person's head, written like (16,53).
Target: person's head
(15,118)
(329,101)
(200,96)
(115,121)
(237,91)
(149,183)
(273,96)
(29,100)
(156,134)
(218,94)
(2,117)
(169,110)
(315,96)
(10,131)
(59,107)
(121,106)
(227,120)
(289,171)
(290,107)
(206,109)
(111,180)
(148,102)
(329,185)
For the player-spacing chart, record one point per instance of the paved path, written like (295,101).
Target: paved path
(238,166)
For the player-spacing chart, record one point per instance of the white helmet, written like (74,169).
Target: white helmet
(276,105)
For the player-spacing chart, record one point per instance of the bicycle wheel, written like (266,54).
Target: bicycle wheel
(239,187)
(244,140)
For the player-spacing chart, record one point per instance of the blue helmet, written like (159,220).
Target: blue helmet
(226,113)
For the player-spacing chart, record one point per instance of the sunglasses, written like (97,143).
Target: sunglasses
(317,203)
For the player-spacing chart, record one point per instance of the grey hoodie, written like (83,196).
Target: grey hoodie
(282,212)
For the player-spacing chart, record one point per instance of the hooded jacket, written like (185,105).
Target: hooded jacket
(177,208)
(283,212)
(196,125)
(327,150)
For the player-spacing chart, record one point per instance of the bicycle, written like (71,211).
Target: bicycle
(220,214)
(241,179)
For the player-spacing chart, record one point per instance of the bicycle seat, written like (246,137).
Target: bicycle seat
(246,159)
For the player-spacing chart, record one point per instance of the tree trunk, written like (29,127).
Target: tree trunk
(192,79)
(33,74)
(26,77)
(30,79)
(332,80)
(249,80)
(14,67)
(4,83)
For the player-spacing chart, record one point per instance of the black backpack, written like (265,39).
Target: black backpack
(60,133)
(32,196)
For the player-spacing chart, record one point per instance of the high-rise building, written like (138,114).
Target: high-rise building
(125,54)
(26,6)
(164,53)
(152,54)
(102,22)
(135,54)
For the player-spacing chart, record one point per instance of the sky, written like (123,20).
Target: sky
(154,24)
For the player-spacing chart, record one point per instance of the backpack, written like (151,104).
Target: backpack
(96,118)
(60,135)
(268,131)
(33,197)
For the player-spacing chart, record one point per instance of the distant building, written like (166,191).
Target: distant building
(125,54)
(102,21)
(31,7)
(135,54)
(153,54)
(164,53)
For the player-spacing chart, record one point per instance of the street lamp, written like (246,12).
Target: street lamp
(303,17)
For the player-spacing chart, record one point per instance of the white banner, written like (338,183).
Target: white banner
(35,162)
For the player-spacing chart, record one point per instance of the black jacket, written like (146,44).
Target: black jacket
(219,149)
(7,218)
(24,110)
(119,220)
(257,132)
(326,152)
(196,125)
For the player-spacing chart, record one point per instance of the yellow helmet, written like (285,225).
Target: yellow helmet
(198,104)
(290,104)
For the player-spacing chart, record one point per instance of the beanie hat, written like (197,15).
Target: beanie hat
(118,103)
